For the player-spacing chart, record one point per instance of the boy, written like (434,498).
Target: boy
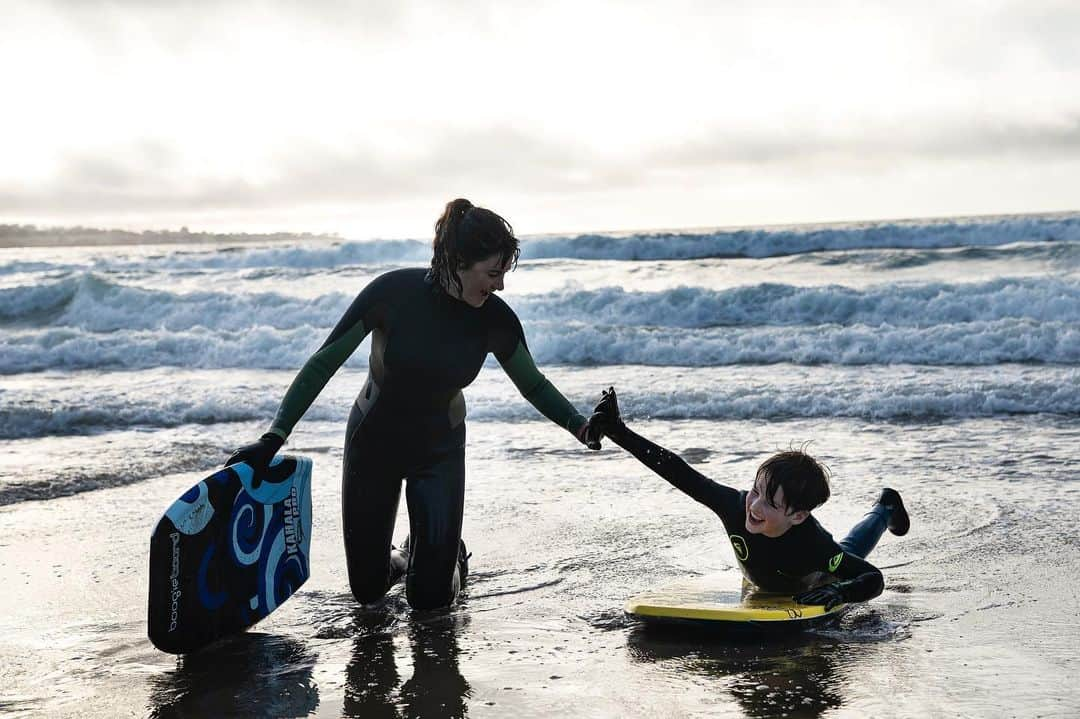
(780,547)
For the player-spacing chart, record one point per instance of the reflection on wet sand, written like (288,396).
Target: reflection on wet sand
(794,676)
(252,674)
(435,689)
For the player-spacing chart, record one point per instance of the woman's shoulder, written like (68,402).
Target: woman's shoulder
(497,309)
(398,280)
(404,274)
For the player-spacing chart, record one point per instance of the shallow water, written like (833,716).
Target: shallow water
(968,625)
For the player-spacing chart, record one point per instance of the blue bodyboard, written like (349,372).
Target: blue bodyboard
(228,552)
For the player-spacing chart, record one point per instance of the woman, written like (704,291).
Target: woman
(431,331)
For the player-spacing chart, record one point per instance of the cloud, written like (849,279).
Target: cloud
(875,146)
(153,176)
(149,106)
(1052,26)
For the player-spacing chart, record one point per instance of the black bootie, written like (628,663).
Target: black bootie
(899,523)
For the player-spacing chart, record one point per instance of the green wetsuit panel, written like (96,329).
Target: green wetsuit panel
(539,391)
(313,376)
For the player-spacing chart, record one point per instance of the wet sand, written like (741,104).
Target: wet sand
(979,617)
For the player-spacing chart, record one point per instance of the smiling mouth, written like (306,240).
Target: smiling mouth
(754,517)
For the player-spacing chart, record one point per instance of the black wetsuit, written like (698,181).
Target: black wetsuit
(804,556)
(408,423)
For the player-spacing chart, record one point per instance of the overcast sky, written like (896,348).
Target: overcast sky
(366,117)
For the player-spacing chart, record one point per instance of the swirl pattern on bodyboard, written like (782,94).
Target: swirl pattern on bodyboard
(228,552)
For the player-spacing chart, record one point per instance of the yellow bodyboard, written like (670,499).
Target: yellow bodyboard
(725,599)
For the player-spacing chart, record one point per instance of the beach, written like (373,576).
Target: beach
(941,358)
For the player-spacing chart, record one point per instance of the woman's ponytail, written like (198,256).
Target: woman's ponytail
(465,234)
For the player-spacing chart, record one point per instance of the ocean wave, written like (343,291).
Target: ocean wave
(64,481)
(96,304)
(924,304)
(312,254)
(18,267)
(24,417)
(900,393)
(67,349)
(91,302)
(974,343)
(774,242)
(970,343)
(1064,255)
(85,403)
(303,257)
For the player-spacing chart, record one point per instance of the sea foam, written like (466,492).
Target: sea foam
(321,254)
(92,322)
(79,403)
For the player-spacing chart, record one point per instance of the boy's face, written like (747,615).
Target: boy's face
(769,518)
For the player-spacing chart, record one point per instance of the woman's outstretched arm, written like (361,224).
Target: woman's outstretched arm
(512,352)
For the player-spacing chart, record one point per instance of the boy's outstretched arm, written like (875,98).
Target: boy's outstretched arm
(670,466)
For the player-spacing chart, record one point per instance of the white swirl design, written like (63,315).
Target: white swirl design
(276,550)
(247,558)
(191,517)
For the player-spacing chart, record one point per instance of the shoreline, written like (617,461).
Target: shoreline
(30,236)
(14,236)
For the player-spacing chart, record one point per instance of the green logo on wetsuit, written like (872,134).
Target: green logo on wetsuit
(739,545)
(835,562)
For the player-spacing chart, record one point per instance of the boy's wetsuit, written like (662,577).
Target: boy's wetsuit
(804,556)
(408,422)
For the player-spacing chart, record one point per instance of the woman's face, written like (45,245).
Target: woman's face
(481,279)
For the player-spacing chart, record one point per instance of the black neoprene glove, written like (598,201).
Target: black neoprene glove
(257,454)
(589,435)
(829,595)
(606,418)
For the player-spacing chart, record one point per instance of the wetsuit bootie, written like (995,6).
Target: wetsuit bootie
(463,562)
(462,557)
(399,561)
(898,522)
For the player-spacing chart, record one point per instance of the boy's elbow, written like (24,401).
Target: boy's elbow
(875,583)
(864,587)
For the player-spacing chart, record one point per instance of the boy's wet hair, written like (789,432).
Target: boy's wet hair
(804,479)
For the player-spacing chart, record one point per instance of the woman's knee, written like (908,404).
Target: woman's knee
(369,584)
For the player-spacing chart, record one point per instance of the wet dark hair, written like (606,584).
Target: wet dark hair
(466,234)
(804,479)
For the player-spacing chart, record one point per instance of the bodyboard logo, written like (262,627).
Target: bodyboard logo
(293,534)
(742,552)
(835,562)
(174,582)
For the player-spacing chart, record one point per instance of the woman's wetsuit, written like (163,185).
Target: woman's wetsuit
(804,556)
(409,422)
